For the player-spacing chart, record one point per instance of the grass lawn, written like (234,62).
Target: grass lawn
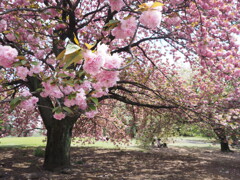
(199,142)
(40,141)
(22,141)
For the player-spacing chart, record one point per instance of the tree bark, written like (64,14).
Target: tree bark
(57,153)
(59,132)
(220,132)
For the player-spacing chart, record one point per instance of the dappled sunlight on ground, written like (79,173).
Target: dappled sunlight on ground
(172,163)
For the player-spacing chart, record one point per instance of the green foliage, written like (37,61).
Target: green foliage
(39,152)
(111,24)
(156,127)
(1,123)
(193,130)
(14,102)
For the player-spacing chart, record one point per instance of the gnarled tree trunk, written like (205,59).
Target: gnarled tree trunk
(59,132)
(57,153)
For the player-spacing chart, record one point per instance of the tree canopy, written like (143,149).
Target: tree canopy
(64,58)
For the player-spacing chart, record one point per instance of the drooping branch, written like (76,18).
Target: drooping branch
(128,101)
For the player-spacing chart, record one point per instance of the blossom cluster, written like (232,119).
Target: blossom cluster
(30,103)
(116,5)
(151,18)
(126,28)
(101,69)
(7,56)
(102,66)
(23,72)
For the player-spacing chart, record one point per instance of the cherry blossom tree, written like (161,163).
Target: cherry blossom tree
(66,57)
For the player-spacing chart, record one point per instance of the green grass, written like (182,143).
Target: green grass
(198,138)
(22,141)
(198,142)
(38,141)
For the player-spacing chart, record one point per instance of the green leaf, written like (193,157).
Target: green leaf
(39,90)
(24,62)
(57,109)
(18,63)
(71,48)
(60,56)
(81,73)
(95,100)
(67,109)
(21,62)
(34,63)
(73,58)
(69,82)
(111,24)
(72,96)
(92,107)
(62,75)
(16,101)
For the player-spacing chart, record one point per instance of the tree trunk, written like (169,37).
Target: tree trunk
(220,132)
(57,153)
(59,132)
(225,147)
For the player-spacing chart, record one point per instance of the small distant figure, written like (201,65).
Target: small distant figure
(153,142)
(159,144)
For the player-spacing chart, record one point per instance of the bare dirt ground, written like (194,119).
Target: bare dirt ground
(89,163)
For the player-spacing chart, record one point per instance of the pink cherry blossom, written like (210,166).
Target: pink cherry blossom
(7,56)
(22,72)
(86,85)
(69,102)
(99,92)
(174,21)
(91,114)
(51,90)
(237,73)
(25,93)
(93,62)
(59,116)
(113,62)
(11,37)
(60,26)
(29,104)
(81,99)
(102,49)
(3,25)
(116,5)
(40,54)
(67,89)
(151,18)
(175,2)
(35,70)
(107,78)
(126,28)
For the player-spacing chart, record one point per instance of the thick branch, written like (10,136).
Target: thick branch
(128,101)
